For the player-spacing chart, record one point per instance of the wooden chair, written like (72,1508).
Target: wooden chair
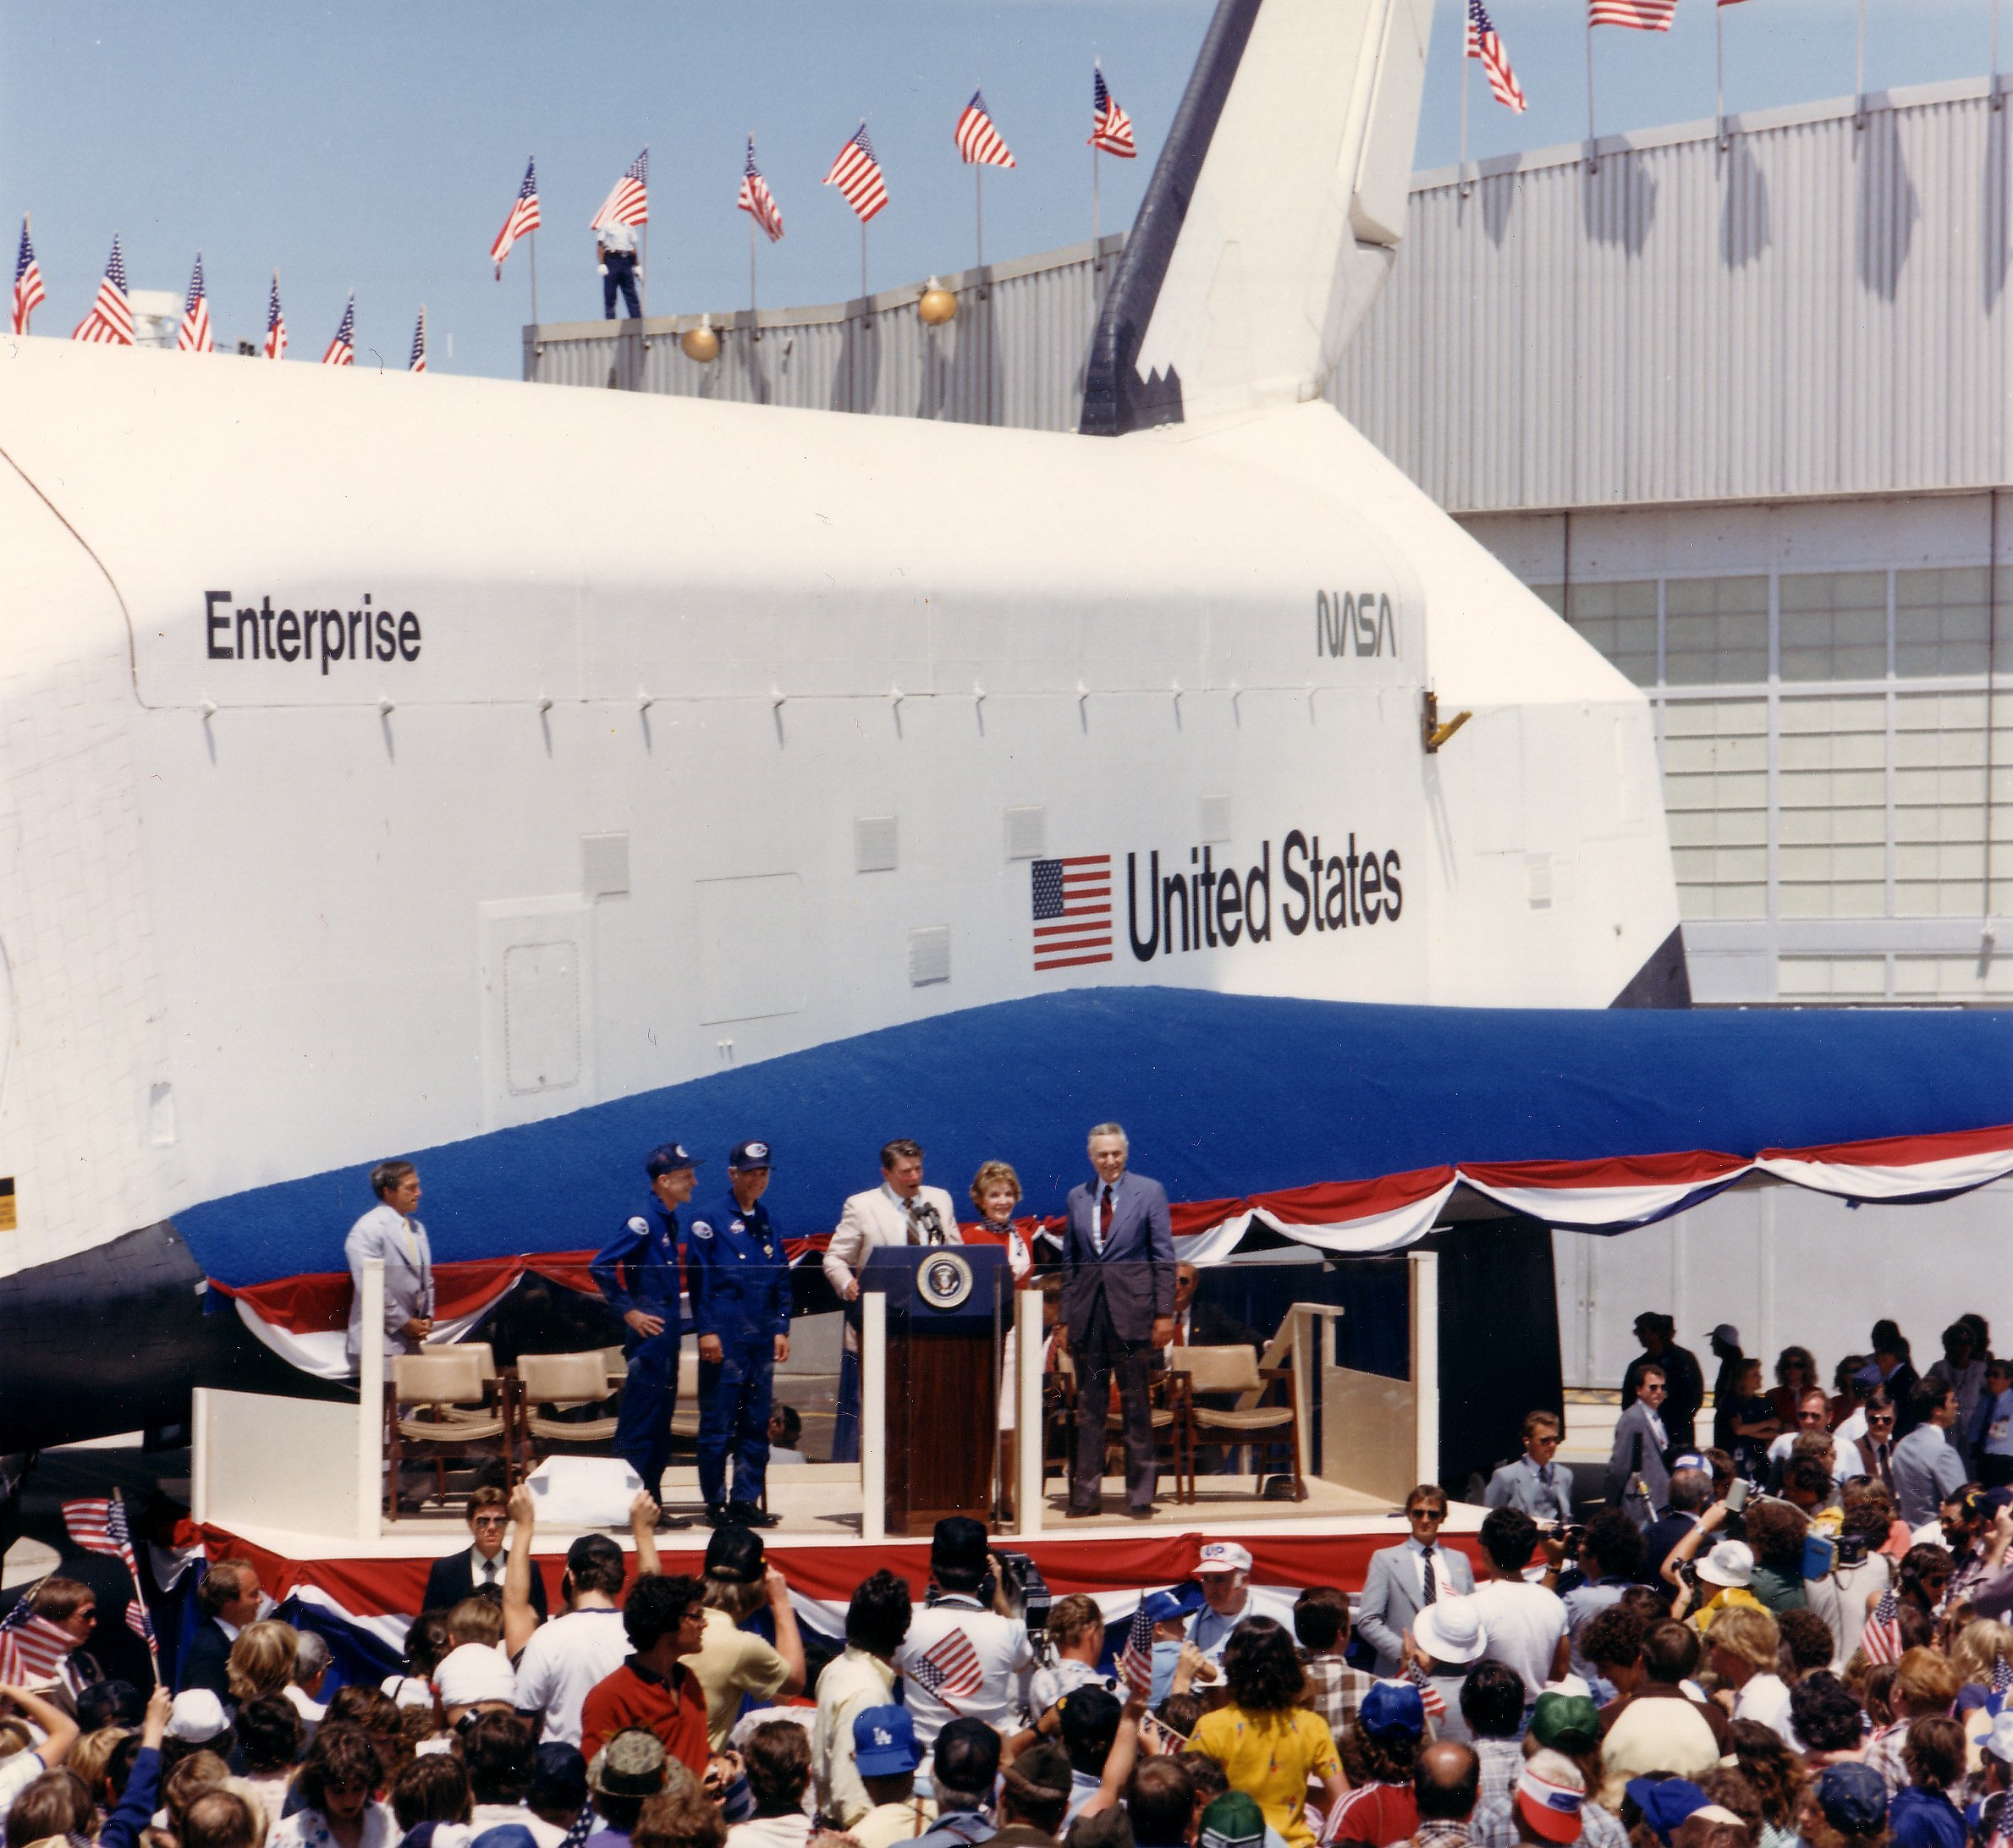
(549,1383)
(1061,1421)
(1234,1369)
(438,1408)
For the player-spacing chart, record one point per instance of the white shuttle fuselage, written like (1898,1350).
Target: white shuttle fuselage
(387,761)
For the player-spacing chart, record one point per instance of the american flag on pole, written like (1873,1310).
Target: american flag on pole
(342,350)
(110,322)
(1111,128)
(28,283)
(523,218)
(1136,1661)
(2002,1685)
(32,1649)
(950,1667)
(276,325)
(757,200)
(417,363)
(1485,43)
(99,1525)
(194,336)
(629,200)
(1881,1639)
(1430,1696)
(1644,15)
(979,143)
(1072,911)
(857,175)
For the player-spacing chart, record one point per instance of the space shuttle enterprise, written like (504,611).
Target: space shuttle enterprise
(389,762)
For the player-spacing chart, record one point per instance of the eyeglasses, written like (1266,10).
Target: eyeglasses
(1426,1514)
(490,1521)
(1880,1417)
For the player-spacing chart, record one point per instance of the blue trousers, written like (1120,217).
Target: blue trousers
(643,1432)
(735,1393)
(622,274)
(845,1421)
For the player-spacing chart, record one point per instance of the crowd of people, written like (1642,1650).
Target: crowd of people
(1761,1644)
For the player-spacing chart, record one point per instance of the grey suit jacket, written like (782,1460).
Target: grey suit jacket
(1635,1438)
(408,1278)
(1390,1598)
(1134,1274)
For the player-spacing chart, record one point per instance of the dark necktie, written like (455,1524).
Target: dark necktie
(489,1571)
(1544,1474)
(1104,1211)
(1428,1591)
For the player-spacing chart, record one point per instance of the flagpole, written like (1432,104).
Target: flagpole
(132,1559)
(750,269)
(1466,30)
(1859,81)
(978,193)
(1096,208)
(531,253)
(1720,70)
(863,269)
(1593,148)
(1997,100)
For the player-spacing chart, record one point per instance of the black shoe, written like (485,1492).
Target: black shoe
(1138,1513)
(741,1513)
(1074,1513)
(666,1521)
(715,1515)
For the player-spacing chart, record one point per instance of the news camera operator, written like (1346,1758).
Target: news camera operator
(966,1655)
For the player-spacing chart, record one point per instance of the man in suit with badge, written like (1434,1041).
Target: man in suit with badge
(1118,1308)
(739,1280)
(388,1230)
(900,1211)
(1404,1579)
(637,1273)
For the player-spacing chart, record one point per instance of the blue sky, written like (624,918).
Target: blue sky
(377,147)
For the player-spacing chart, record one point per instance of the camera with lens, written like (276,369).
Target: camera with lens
(1852,1548)
(1027,1593)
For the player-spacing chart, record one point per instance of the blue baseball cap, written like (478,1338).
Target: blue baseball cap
(1393,1710)
(1164,1607)
(747,1155)
(884,1742)
(668,1158)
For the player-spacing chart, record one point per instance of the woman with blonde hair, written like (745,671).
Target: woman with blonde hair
(261,1659)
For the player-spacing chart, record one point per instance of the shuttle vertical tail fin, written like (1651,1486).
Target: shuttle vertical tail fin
(1273,216)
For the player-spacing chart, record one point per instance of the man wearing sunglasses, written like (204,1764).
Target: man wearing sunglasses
(1402,1580)
(1636,1478)
(471,1568)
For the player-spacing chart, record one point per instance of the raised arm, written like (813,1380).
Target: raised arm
(790,1640)
(520,1618)
(59,1729)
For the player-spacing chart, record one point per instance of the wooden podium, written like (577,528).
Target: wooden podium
(949,1308)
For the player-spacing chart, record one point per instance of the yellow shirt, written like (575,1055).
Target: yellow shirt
(732,1662)
(1270,1757)
(1726,1598)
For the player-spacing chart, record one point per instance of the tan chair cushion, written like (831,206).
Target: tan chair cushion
(1218,1369)
(451,1430)
(1263,1418)
(441,1377)
(556,1379)
(557,1431)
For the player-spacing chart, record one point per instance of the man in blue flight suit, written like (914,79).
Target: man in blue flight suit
(638,1275)
(741,1311)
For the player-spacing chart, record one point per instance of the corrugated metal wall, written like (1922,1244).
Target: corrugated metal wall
(1014,355)
(1814,308)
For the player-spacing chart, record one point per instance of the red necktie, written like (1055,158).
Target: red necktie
(1104,1220)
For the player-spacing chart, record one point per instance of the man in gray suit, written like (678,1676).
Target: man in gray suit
(388,1230)
(1118,1308)
(1636,1478)
(1403,1579)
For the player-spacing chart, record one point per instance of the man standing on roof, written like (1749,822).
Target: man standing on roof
(638,1275)
(740,1312)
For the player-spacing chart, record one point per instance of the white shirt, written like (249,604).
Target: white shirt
(562,1664)
(1521,1625)
(1048,1686)
(308,1829)
(408,1690)
(1765,1701)
(1004,1658)
(1851,1431)
(849,1685)
(617,237)
(16,1774)
(313,1712)
(1778,1452)
(480,1568)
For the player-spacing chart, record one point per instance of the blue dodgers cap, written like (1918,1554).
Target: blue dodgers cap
(1392,1710)
(1164,1607)
(668,1158)
(884,1742)
(745,1155)
(1853,1798)
(1667,1802)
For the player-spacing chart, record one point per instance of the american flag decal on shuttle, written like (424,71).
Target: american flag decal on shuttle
(1072,911)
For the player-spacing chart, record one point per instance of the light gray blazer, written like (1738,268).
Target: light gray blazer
(1390,1598)
(408,1281)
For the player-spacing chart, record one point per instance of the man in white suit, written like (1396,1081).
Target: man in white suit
(388,1230)
(900,1211)
(1404,1579)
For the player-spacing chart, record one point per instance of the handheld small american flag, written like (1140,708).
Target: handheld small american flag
(1136,1664)
(1072,911)
(949,1668)
(276,325)
(979,143)
(28,283)
(417,363)
(629,200)
(857,175)
(1881,1640)
(1485,43)
(138,1621)
(110,322)
(1111,128)
(1430,1696)
(100,1525)
(342,350)
(32,1649)
(523,218)
(194,335)
(1643,15)
(757,200)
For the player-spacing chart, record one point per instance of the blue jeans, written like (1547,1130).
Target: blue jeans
(622,274)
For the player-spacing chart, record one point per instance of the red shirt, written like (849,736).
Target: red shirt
(1372,1815)
(635,1695)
